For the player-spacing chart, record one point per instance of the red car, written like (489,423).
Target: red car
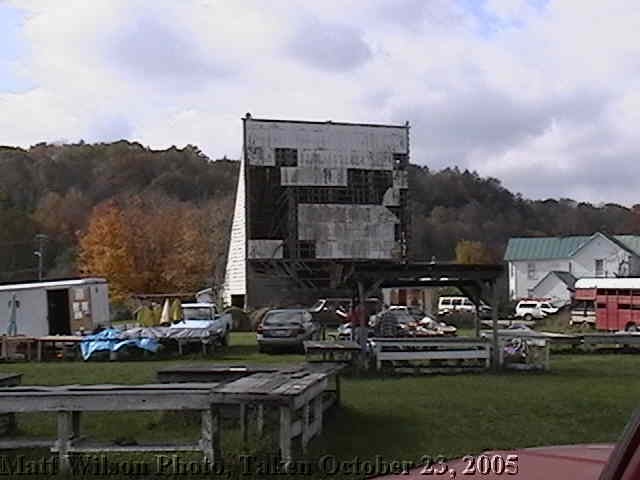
(572,462)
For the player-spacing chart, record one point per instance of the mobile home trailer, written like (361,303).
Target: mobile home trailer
(60,307)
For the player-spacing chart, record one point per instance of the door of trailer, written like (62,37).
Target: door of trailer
(58,312)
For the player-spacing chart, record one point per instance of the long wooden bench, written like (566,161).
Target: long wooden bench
(465,354)
(68,402)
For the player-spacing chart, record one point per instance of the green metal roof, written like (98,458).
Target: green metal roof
(632,242)
(549,248)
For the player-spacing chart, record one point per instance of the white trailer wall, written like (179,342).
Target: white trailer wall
(31,316)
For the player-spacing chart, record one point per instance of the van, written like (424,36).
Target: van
(448,304)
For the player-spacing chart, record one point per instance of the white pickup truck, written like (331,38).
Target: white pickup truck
(205,315)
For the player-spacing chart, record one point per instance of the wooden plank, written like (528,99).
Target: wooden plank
(306,427)
(431,346)
(437,355)
(260,420)
(311,393)
(318,409)
(98,447)
(429,340)
(328,368)
(10,379)
(259,383)
(244,424)
(153,388)
(330,345)
(232,368)
(104,401)
(210,433)
(65,436)
(24,443)
(295,386)
(439,370)
(286,435)
(60,339)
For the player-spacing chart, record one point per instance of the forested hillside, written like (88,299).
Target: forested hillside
(452,205)
(134,207)
(159,220)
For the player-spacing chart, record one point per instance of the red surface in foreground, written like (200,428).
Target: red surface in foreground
(579,462)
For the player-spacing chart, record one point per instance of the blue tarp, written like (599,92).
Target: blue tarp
(111,340)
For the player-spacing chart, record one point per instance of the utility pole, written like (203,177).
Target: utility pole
(40,237)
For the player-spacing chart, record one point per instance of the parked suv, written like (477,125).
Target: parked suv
(534,309)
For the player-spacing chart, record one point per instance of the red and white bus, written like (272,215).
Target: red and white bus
(615,301)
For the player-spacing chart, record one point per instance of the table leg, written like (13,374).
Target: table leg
(317,415)
(210,434)
(285,434)
(65,435)
(307,432)
(244,430)
(260,420)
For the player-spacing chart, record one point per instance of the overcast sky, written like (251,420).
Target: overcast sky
(543,95)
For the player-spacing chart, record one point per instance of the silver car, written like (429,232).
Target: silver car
(286,328)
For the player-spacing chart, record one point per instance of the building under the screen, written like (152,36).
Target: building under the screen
(313,197)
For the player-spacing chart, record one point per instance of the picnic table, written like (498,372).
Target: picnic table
(294,394)
(298,393)
(331,351)
(304,390)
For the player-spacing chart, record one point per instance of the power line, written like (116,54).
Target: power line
(11,244)
(24,270)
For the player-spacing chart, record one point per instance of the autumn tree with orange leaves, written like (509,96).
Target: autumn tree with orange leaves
(152,244)
(472,252)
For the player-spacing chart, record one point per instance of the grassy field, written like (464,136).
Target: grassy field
(586,398)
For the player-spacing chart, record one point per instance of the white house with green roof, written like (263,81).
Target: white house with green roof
(547,267)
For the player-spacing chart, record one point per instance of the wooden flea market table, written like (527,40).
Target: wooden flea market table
(68,402)
(10,345)
(298,394)
(42,342)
